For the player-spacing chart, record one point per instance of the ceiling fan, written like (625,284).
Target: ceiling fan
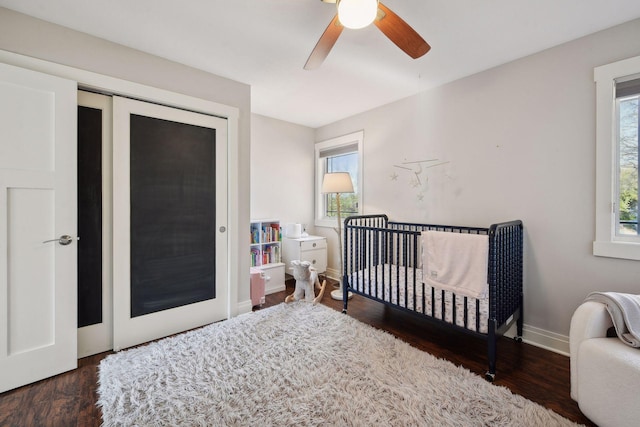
(359,14)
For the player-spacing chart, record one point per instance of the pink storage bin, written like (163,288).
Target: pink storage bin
(257,286)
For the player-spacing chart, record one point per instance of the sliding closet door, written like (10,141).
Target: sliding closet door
(169,230)
(95,327)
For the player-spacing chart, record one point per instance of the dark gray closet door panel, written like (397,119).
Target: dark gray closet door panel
(89,216)
(172,169)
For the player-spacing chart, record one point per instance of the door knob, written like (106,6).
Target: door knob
(64,240)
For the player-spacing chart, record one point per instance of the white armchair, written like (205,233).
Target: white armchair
(605,372)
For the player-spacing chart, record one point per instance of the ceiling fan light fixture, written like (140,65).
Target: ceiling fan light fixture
(357,14)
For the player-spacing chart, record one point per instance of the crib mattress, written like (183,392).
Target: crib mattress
(387,283)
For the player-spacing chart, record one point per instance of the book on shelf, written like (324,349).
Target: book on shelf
(255,235)
(271,233)
(255,257)
(276,232)
(271,254)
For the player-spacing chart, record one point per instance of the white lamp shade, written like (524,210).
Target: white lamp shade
(337,182)
(357,13)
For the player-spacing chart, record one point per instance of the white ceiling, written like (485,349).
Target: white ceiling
(265,43)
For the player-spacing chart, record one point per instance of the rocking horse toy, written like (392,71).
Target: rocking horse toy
(306,277)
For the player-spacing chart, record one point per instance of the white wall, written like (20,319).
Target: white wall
(39,39)
(520,139)
(281,171)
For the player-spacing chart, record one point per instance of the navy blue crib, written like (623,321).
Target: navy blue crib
(383,262)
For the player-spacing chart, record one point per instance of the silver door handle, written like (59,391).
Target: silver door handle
(63,240)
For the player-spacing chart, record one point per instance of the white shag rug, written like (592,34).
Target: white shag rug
(300,365)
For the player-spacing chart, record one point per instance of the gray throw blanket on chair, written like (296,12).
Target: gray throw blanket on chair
(625,313)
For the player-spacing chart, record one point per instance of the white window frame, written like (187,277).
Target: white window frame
(321,220)
(607,243)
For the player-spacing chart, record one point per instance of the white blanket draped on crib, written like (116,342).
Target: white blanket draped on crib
(456,262)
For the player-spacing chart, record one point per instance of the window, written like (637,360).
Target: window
(342,154)
(627,94)
(617,129)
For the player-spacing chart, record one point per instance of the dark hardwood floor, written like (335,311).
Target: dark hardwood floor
(542,376)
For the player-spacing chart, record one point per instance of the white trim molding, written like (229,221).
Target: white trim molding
(541,338)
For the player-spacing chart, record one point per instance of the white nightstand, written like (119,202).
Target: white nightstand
(309,248)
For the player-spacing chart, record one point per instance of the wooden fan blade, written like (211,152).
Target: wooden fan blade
(324,45)
(401,33)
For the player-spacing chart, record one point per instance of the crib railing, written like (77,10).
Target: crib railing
(505,271)
(372,240)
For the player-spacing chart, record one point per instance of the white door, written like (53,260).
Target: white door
(37,206)
(135,181)
(96,336)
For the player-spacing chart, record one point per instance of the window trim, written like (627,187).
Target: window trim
(350,139)
(606,243)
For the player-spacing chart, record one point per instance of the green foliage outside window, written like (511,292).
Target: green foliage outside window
(628,200)
(628,167)
(348,205)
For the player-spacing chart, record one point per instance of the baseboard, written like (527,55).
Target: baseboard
(273,289)
(244,307)
(541,338)
(332,273)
